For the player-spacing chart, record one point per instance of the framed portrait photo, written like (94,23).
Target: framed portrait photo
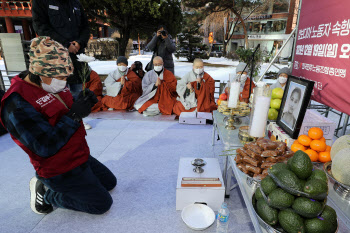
(296,98)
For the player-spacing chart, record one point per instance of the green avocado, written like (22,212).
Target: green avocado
(289,179)
(278,167)
(268,185)
(301,165)
(318,225)
(306,207)
(291,222)
(318,174)
(267,213)
(316,188)
(258,194)
(280,199)
(330,215)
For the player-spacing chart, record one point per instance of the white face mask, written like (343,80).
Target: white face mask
(243,78)
(282,79)
(122,68)
(199,71)
(158,68)
(56,86)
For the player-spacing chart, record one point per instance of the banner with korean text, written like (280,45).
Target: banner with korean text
(322,51)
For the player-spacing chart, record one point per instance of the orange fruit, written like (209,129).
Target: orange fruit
(323,139)
(312,154)
(304,140)
(296,147)
(296,142)
(219,101)
(318,145)
(315,133)
(324,157)
(328,148)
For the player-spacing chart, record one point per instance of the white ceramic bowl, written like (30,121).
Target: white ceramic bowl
(198,216)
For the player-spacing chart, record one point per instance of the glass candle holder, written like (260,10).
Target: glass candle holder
(260,110)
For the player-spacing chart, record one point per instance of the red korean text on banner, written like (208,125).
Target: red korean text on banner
(322,51)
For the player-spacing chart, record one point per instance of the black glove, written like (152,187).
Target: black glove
(88,96)
(82,106)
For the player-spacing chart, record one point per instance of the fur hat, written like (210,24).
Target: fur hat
(49,58)
(122,59)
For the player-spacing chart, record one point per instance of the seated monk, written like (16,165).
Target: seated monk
(196,91)
(245,82)
(123,87)
(159,91)
(95,85)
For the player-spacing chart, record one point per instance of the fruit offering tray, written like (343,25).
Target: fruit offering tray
(272,229)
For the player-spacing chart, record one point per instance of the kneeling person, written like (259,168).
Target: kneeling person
(39,113)
(123,87)
(159,91)
(196,91)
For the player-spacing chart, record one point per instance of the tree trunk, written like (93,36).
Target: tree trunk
(124,40)
(244,27)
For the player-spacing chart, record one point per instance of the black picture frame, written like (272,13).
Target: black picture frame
(292,111)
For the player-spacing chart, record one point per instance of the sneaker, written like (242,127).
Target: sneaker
(87,126)
(37,192)
(111,109)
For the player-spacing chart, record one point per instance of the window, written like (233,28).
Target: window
(263,27)
(281,6)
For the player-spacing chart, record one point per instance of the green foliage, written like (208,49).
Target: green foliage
(210,6)
(132,17)
(189,39)
(245,56)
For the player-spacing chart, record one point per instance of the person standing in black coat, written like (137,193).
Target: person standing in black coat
(65,22)
(163,45)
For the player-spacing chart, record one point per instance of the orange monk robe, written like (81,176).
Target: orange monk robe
(244,96)
(204,97)
(95,85)
(164,95)
(128,94)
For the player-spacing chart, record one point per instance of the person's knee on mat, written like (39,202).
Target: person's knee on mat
(112,184)
(101,208)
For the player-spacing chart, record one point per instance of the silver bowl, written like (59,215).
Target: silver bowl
(341,189)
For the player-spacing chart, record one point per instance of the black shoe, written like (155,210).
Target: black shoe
(37,193)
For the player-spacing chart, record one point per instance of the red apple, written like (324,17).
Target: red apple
(223,96)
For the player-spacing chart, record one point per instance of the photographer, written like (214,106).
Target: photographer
(163,46)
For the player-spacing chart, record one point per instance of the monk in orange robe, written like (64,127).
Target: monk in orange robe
(159,91)
(196,91)
(242,76)
(123,87)
(95,85)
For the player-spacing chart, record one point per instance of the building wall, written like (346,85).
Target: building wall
(270,28)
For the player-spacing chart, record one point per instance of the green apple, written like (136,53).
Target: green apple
(273,114)
(275,103)
(277,93)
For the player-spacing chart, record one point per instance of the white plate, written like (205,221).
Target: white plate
(198,216)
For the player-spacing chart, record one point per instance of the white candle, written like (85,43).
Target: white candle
(261,109)
(234,94)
